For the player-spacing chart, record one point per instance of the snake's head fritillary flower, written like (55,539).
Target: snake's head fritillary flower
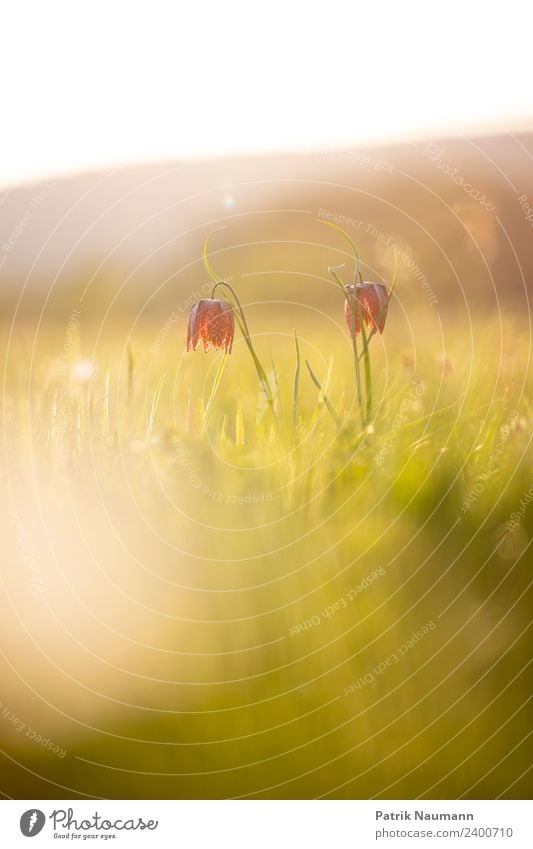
(370,306)
(212,322)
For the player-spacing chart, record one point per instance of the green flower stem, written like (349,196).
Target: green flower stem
(353,307)
(241,321)
(365,354)
(385,305)
(349,240)
(243,325)
(368,373)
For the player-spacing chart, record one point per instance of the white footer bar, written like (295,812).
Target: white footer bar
(267,824)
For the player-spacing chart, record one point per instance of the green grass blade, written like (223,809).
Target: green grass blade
(296,390)
(155,402)
(324,396)
(214,387)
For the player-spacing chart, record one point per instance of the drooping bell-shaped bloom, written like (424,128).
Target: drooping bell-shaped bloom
(212,322)
(370,306)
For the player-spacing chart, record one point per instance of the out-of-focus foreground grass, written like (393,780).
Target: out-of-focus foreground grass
(219,606)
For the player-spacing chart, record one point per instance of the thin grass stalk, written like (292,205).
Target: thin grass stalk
(131,370)
(296,389)
(214,387)
(155,402)
(324,396)
(105,422)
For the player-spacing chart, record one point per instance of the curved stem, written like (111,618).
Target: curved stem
(237,302)
(243,324)
(241,319)
(207,262)
(333,271)
(348,239)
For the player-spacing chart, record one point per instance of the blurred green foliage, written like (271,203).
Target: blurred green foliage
(219,603)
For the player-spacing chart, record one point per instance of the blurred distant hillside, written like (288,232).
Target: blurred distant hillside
(130,240)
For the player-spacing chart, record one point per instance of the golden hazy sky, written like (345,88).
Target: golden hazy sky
(92,85)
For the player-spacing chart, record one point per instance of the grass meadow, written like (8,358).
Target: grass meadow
(200,599)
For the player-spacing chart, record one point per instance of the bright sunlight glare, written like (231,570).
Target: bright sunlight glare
(110,84)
